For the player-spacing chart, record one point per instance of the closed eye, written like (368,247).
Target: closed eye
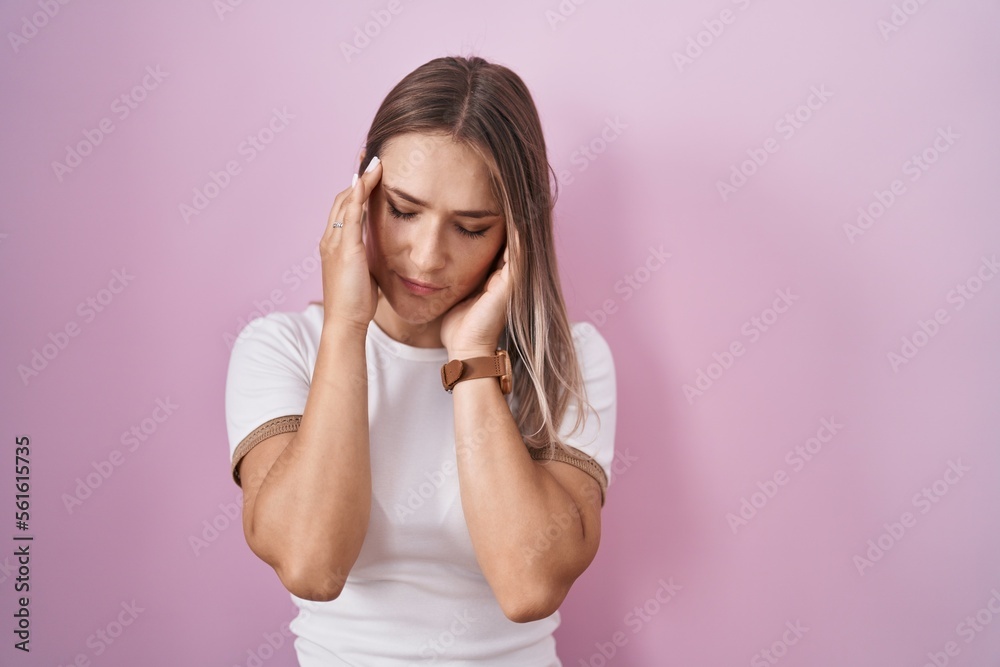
(470,233)
(396,213)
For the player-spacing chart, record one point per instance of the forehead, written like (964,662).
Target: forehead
(433,167)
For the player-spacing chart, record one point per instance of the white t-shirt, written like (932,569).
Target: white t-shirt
(416,594)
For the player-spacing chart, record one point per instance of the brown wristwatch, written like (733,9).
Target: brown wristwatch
(497,366)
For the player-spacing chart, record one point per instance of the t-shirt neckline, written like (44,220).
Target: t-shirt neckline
(402,350)
(437,354)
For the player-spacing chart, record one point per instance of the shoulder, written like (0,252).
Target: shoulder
(279,343)
(597,437)
(269,374)
(288,332)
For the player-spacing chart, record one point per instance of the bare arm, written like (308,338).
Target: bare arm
(535,526)
(307,495)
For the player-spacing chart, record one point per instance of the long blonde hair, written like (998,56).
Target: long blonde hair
(488,107)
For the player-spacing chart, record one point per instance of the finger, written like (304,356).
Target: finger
(354,203)
(504,284)
(332,232)
(499,281)
(337,211)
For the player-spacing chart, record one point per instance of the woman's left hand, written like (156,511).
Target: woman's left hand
(473,326)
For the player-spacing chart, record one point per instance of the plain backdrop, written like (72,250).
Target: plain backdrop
(782,217)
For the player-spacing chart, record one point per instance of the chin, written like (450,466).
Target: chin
(410,310)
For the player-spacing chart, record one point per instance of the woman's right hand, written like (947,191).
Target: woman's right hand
(350,293)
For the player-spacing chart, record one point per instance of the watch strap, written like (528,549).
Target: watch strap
(457,370)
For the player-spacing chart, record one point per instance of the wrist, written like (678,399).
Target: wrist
(471,352)
(473,363)
(476,382)
(339,333)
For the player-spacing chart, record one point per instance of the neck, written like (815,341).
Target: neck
(427,334)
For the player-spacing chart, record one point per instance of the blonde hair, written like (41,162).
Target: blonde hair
(487,107)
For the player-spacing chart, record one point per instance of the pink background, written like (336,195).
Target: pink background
(652,182)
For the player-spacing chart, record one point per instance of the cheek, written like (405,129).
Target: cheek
(476,268)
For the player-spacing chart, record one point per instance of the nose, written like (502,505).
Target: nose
(427,252)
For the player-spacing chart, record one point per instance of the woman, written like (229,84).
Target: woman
(413,508)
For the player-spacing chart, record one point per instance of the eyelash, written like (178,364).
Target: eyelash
(394,212)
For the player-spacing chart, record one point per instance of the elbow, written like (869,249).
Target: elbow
(533,605)
(302,578)
(310,585)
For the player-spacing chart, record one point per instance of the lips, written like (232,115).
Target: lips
(419,283)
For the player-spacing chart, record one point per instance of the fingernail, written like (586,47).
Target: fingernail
(354,180)
(371,165)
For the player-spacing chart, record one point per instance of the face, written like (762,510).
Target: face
(432,219)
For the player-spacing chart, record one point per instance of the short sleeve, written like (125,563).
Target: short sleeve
(596,438)
(267,385)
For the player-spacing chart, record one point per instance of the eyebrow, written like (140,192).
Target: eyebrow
(413,200)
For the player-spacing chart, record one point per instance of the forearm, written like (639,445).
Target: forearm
(313,506)
(526,530)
